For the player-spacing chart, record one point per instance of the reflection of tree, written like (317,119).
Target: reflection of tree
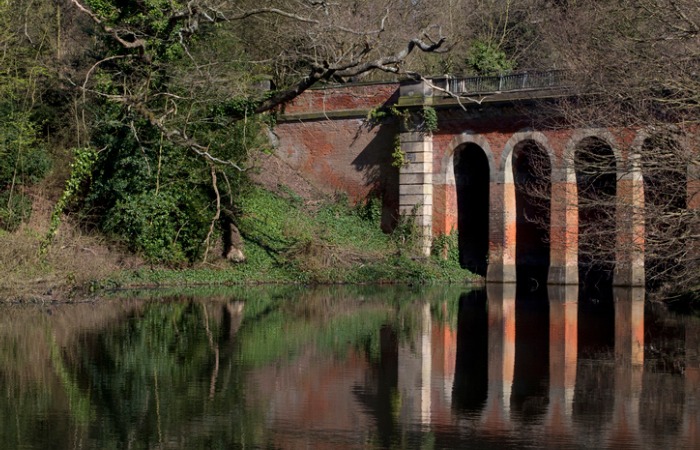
(179,370)
(152,375)
(335,321)
(380,394)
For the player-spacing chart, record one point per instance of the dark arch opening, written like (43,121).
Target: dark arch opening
(596,181)
(665,201)
(472,184)
(532,174)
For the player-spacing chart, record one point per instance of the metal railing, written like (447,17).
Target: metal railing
(503,83)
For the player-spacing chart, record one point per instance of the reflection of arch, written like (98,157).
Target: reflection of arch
(528,245)
(470,388)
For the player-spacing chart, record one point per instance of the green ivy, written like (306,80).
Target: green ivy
(379,114)
(398,156)
(430,119)
(81,171)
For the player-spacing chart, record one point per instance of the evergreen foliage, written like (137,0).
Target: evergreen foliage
(485,58)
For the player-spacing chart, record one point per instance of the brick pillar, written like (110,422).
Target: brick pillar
(416,184)
(563,268)
(502,230)
(629,264)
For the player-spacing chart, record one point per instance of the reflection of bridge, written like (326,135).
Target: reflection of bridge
(499,389)
(474,173)
(524,383)
(505,373)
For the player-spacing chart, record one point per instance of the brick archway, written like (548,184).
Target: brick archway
(478,173)
(508,211)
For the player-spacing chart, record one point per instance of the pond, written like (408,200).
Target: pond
(351,368)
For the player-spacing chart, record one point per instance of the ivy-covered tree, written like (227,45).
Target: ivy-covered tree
(176,97)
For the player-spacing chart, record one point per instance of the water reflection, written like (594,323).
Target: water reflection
(471,368)
(504,367)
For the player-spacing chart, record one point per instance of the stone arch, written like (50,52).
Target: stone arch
(684,141)
(598,202)
(527,243)
(537,137)
(577,137)
(664,195)
(467,137)
(468,175)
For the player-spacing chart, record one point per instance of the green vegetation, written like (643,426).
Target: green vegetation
(24,159)
(430,120)
(485,58)
(285,242)
(81,171)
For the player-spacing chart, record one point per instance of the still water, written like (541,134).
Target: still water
(348,368)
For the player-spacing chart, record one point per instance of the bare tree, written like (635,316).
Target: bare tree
(189,70)
(637,68)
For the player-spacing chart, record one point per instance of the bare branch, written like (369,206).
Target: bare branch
(176,136)
(217,215)
(279,12)
(136,43)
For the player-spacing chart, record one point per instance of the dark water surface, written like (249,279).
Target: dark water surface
(351,368)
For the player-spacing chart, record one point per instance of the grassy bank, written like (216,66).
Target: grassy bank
(286,241)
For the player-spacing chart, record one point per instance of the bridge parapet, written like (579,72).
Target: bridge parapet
(522,81)
(514,86)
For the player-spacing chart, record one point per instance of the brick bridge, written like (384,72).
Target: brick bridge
(472,173)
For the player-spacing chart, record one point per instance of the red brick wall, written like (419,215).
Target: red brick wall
(323,135)
(342,98)
(340,155)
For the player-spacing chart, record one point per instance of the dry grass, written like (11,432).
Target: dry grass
(74,260)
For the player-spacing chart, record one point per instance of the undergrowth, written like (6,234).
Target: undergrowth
(288,242)
(285,242)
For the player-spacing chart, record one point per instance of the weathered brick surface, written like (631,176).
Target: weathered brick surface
(345,154)
(339,155)
(343,98)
